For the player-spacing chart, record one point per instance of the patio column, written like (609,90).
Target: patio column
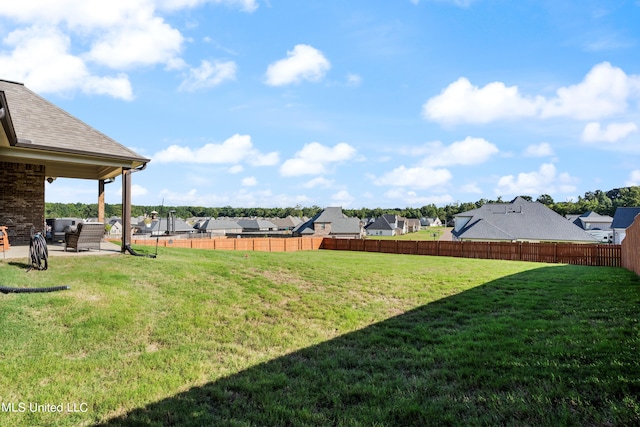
(101,201)
(126,209)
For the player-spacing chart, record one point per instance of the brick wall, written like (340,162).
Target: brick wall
(21,199)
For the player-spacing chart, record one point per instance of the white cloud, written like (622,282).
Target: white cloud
(319,181)
(41,59)
(249,181)
(342,198)
(54,45)
(470,151)
(544,181)
(234,150)
(147,42)
(244,5)
(314,158)
(605,91)
(462,102)
(208,75)
(418,177)
(593,132)
(539,150)
(634,178)
(472,188)
(354,80)
(304,62)
(235,169)
(411,198)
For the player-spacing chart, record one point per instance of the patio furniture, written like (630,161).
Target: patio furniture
(60,227)
(87,235)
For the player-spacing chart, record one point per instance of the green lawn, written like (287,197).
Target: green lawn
(431,233)
(319,338)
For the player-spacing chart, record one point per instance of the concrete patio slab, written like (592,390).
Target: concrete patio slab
(57,249)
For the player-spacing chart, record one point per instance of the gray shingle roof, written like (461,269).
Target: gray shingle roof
(519,220)
(345,226)
(380,223)
(623,217)
(329,214)
(39,124)
(219,224)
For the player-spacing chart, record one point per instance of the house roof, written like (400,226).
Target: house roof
(345,226)
(623,217)
(256,224)
(160,225)
(36,131)
(220,224)
(519,220)
(340,223)
(380,223)
(329,214)
(590,217)
(288,222)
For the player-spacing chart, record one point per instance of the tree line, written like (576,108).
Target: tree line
(603,203)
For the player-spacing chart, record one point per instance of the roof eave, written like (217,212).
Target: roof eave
(7,123)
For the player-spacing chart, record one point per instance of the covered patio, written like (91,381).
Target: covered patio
(21,252)
(40,142)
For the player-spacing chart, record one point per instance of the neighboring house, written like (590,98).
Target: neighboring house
(380,227)
(220,227)
(413,225)
(430,222)
(622,219)
(116,227)
(256,225)
(331,222)
(160,226)
(519,220)
(40,142)
(599,226)
(286,224)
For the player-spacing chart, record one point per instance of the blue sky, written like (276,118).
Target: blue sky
(360,103)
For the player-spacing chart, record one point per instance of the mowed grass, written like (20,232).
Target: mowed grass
(426,233)
(319,338)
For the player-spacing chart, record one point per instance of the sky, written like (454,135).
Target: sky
(359,103)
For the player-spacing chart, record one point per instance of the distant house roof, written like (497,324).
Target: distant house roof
(597,221)
(340,223)
(287,223)
(329,214)
(219,224)
(256,224)
(623,217)
(35,129)
(159,225)
(345,226)
(380,223)
(518,220)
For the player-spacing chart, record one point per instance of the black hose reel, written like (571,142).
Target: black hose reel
(39,257)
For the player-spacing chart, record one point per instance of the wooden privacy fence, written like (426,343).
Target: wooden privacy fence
(631,247)
(291,244)
(561,253)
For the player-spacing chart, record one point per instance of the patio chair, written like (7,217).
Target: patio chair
(87,235)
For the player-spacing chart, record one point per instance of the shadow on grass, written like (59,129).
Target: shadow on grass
(551,346)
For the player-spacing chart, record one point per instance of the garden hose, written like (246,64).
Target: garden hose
(39,255)
(6,290)
(38,252)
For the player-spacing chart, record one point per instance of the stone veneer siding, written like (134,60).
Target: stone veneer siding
(21,200)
